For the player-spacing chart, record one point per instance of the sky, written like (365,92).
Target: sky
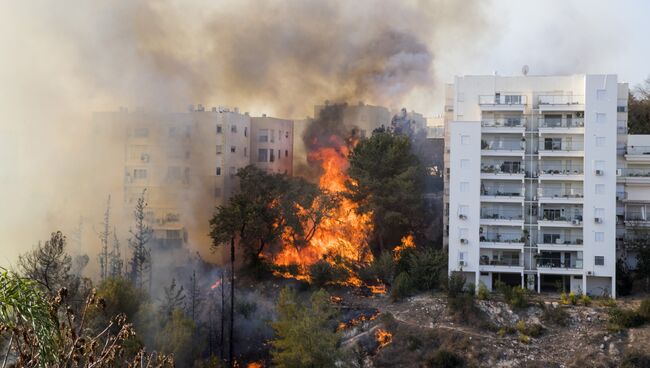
(61,61)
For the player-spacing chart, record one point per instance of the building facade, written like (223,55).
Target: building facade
(530,182)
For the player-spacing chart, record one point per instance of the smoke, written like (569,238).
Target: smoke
(63,62)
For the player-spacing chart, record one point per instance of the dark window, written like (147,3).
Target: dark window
(599,261)
(272,155)
(233,149)
(219,131)
(245,131)
(262,155)
(218,171)
(621,108)
(233,128)
(286,153)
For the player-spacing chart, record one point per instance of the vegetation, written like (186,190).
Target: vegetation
(140,262)
(555,315)
(387,180)
(305,335)
(515,296)
(639,109)
(620,319)
(446,359)
(635,359)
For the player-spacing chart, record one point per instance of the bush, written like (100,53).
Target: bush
(446,359)
(402,287)
(564,298)
(516,297)
(323,273)
(585,299)
(524,339)
(455,285)
(635,359)
(572,298)
(426,268)
(381,269)
(555,315)
(246,308)
(620,319)
(644,309)
(533,330)
(483,292)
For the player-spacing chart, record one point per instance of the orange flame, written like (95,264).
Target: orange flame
(216,284)
(383,337)
(343,234)
(407,243)
(255,365)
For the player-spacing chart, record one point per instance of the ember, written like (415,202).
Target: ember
(216,284)
(407,243)
(255,365)
(383,337)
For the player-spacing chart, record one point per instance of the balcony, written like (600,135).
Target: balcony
(556,147)
(559,265)
(502,240)
(502,217)
(557,195)
(561,102)
(499,170)
(637,153)
(560,242)
(502,102)
(503,147)
(561,125)
(637,215)
(501,193)
(559,172)
(635,175)
(504,125)
(501,262)
(560,221)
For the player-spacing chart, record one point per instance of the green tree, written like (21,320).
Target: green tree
(176,338)
(173,299)
(639,242)
(120,296)
(305,335)
(386,179)
(639,109)
(141,255)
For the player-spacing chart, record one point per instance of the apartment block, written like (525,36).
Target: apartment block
(531,180)
(188,161)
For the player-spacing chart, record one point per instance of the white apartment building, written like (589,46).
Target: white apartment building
(531,180)
(272,144)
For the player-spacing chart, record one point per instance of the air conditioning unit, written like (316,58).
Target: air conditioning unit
(462,217)
(599,172)
(464,241)
(462,263)
(598,220)
(144,157)
(589,273)
(619,172)
(575,222)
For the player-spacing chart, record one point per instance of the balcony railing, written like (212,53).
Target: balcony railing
(564,146)
(501,192)
(635,172)
(558,170)
(499,99)
(638,150)
(494,214)
(557,263)
(502,237)
(503,145)
(548,217)
(561,100)
(504,261)
(558,239)
(561,123)
(560,193)
(504,123)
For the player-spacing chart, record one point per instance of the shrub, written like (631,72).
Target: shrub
(620,319)
(524,339)
(533,330)
(402,287)
(585,299)
(608,302)
(516,297)
(446,359)
(564,298)
(572,298)
(323,273)
(483,292)
(426,268)
(502,332)
(246,308)
(455,285)
(413,342)
(635,359)
(644,309)
(555,315)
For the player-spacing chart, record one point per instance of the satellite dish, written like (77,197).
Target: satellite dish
(524,70)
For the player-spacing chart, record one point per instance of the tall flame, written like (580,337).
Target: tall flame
(342,234)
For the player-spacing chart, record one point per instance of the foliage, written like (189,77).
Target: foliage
(426,268)
(323,273)
(515,296)
(386,180)
(120,296)
(639,110)
(620,319)
(585,300)
(402,287)
(635,359)
(246,308)
(381,269)
(173,299)
(49,265)
(532,330)
(305,336)
(460,301)
(140,262)
(483,292)
(524,339)
(555,315)
(176,337)
(624,279)
(644,309)
(446,359)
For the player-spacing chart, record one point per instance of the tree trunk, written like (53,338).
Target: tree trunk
(231,360)
(223,316)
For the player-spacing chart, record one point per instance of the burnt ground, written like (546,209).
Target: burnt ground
(421,326)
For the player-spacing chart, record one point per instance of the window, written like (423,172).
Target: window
(263,135)
(599,212)
(219,129)
(600,117)
(279,136)
(600,188)
(461,256)
(600,141)
(141,132)
(279,154)
(233,149)
(601,94)
(286,135)
(140,173)
(464,164)
(218,171)
(286,153)
(551,238)
(464,140)
(552,144)
(173,173)
(464,187)
(272,136)
(262,155)
(245,151)
(599,237)
(485,273)
(233,128)
(271,155)
(245,131)
(621,108)
(219,149)
(599,260)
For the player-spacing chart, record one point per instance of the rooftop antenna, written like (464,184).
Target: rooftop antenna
(524,70)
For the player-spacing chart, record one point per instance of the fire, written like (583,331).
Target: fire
(383,337)
(407,243)
(255,365)
(216,284)
(340,236)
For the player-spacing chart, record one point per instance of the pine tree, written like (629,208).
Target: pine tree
(115,263)
(104,238)
(141,256)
